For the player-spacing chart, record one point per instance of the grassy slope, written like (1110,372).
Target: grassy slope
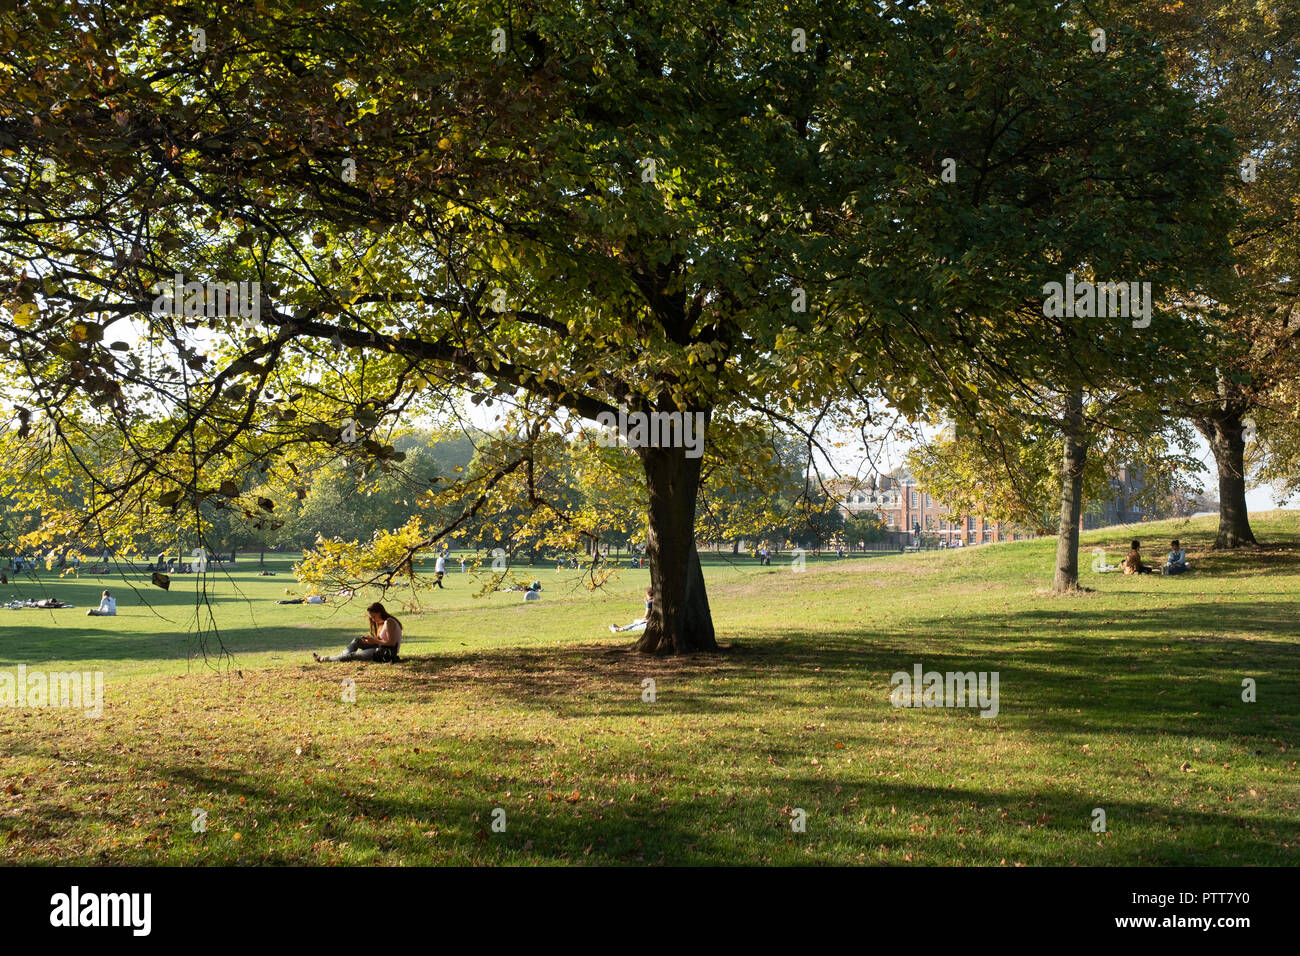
(1126,698)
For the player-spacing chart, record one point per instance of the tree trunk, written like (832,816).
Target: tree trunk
(680,621)
(1072,463)
(1224,433)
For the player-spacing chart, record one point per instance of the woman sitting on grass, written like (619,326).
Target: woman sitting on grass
(1133,561)
(380,645)
(107,607)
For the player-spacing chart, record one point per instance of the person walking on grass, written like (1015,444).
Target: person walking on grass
(380,645)
(1133,561)
(440,567)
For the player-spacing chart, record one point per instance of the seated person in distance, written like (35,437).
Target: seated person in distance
(1176,562)
(1133,561)
(107,607)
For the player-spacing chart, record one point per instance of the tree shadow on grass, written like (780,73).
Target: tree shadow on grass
(1206,562)
(1069,684)
(451,788)
(73,643)
(446,814)
(1063,680)
(569,679)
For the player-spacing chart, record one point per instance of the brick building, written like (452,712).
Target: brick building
(904,505)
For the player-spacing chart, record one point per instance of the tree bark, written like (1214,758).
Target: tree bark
(680,621)
(1225,435)
(1072,464)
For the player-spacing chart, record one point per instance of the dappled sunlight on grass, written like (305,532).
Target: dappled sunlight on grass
(1127,699)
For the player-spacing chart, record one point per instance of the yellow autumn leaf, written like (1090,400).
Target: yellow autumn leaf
(24,314)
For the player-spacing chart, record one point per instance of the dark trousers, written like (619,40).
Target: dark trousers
(356,652)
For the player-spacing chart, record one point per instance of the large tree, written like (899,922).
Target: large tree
(1242,58)
(721,209)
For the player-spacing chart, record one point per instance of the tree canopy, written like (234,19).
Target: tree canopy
(754,213)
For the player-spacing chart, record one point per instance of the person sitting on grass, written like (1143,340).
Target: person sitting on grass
(380,645)
(1133,561)
(1176,563)
(107,607)
(639,622)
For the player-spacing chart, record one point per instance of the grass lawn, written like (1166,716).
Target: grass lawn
(1127,698)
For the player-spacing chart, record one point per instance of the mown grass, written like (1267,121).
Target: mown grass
(1125,698)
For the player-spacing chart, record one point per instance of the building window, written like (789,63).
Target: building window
(970,523)
(929,502)
(914,501)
